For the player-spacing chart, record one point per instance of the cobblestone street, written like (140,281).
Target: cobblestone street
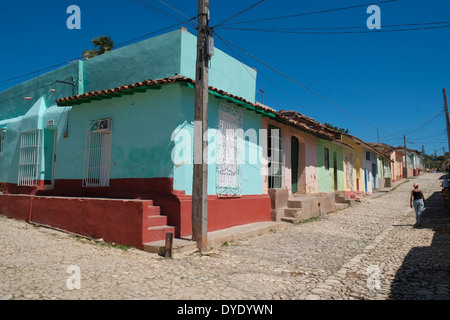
(368,251)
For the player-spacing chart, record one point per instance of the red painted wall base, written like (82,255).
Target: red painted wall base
(119,221)
(123,212)
(354,194)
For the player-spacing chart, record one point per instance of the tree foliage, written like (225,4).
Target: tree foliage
(329,125)
(104,44)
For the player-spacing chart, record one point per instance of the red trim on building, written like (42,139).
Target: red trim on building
(129,212)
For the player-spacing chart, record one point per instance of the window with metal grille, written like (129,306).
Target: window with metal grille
(275,155)
(229,170)
(2,139)
(29,158)
(97,153)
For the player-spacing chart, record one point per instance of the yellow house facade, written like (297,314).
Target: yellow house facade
(353,166)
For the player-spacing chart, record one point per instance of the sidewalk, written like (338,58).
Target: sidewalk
(385,190)
(327,259)
(217,238)
(183,246)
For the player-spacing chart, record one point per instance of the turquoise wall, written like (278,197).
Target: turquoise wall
(163,56)
(226,73)
(251,170)
(13,104)
(143,138)
(37,117)
(158,57)
(9,160)
(142,126)
(154,58)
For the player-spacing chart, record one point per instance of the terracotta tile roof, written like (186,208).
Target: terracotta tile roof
(311,123)
(300,121)
(75,98)
(169,80)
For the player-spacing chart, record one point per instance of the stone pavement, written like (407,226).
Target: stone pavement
(369,251)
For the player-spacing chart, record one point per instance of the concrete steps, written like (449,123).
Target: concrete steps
(299,207)
(156,225)
(302,207)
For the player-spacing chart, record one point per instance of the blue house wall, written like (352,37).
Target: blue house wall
(158,57)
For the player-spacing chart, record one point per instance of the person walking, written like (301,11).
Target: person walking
(416,200)
(446,185)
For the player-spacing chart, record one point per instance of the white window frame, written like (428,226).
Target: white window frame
(29,158)
(276,164)
(97,153)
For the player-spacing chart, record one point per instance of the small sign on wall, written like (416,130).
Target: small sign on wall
(50,123)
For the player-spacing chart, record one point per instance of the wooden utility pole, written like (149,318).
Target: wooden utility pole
(406,158)
(200,176)
(446,118)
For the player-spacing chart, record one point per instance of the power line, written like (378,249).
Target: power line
(415,129)
(338,32)
(271,82)
(237,14)
(311,13)
(37,71)
(170,7)
(303,86)
(422,128)
(336,28)
(154,32)
(156,9)
(78,58)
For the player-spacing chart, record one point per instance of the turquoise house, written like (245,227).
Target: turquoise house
(120,126)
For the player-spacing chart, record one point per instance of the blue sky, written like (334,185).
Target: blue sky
(390,81)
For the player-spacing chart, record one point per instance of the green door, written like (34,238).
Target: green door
(294,163)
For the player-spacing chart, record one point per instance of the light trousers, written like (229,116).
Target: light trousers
(418,206)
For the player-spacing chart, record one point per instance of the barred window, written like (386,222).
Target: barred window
(2,139)
(29,158)
(276,157)
(97,153)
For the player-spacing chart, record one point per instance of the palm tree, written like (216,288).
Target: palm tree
(103,43)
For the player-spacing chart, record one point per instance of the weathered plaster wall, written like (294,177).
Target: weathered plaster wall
(326,177)
(307,167)
(353,166)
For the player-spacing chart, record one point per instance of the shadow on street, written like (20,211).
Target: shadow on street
(425,272)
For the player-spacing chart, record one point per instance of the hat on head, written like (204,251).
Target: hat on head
(415,185)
